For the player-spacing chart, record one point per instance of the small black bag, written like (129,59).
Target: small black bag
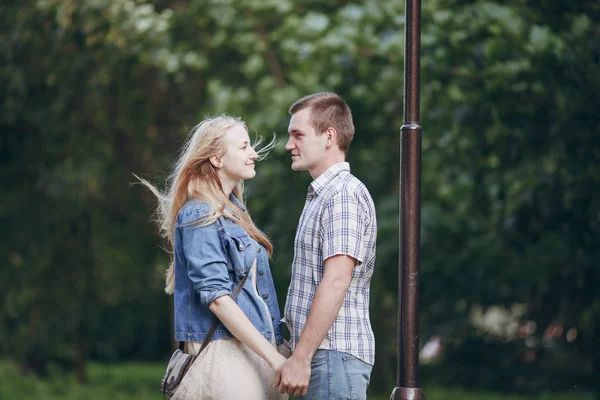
(181,362)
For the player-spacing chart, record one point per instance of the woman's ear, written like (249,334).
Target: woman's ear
(216,161)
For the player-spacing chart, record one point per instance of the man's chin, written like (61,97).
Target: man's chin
(297,167)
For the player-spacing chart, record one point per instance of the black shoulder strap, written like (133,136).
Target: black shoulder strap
(215,324)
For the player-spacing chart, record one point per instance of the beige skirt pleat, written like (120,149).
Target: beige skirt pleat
(227,370)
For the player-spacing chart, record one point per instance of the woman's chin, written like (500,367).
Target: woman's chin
(250,175)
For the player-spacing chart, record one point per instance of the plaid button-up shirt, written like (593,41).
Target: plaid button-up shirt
(338,219)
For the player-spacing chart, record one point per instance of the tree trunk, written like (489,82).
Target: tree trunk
(36,361)
(86,296)
(81,353)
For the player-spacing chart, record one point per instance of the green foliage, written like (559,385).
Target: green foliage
(132,381)
(124,382)
(92,92)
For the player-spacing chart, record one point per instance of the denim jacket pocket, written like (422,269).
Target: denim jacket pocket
(243,253)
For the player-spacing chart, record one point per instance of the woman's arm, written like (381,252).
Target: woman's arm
(240,326)
(208,271)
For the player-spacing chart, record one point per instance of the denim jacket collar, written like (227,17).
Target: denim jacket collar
(237,202)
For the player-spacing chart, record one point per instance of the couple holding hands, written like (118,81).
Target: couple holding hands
(216,246)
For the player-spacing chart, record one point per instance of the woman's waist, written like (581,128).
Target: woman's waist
(196,321)
(200,335)
(188,305)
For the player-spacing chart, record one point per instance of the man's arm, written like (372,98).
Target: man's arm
(294,375)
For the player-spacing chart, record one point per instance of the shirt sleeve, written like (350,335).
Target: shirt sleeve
(206,262)
(342,227)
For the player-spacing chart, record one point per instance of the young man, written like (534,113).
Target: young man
(327,306)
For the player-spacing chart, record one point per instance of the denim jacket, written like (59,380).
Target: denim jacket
(210,261)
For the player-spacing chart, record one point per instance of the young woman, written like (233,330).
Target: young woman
(215,244)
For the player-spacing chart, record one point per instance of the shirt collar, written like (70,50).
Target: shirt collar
(318,184)
(238,203)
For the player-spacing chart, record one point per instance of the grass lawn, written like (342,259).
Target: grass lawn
(136,381)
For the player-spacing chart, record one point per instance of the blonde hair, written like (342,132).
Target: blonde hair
(194,177)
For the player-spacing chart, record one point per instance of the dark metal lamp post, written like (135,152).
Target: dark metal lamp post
(407,385)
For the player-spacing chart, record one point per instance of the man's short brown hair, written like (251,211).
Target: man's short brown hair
(328,110)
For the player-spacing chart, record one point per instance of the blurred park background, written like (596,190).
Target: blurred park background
(93,91)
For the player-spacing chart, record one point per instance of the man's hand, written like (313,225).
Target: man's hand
(293,376)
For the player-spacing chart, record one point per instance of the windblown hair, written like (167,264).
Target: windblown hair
(328,110)
(194,177)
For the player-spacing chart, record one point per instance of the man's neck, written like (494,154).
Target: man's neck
(326,164)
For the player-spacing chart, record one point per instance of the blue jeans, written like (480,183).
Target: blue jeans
(337,376)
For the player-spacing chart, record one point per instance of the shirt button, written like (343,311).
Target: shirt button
(258,249)
(241,247)
(265,296)
(261,272)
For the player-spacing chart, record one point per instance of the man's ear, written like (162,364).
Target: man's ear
(331,136)
(216,161)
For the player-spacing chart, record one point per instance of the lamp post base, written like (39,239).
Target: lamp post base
(407,394)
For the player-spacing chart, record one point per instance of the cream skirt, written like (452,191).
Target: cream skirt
(226,370)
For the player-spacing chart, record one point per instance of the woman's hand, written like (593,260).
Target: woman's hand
(276,361)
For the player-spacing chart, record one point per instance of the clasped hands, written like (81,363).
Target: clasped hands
(293,376)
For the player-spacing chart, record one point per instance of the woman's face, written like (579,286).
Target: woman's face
(238,161)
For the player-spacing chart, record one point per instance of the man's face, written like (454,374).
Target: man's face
(306,145)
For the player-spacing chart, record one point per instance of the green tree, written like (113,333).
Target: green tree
(95,91)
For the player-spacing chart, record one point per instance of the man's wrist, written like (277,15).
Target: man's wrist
(303,355)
